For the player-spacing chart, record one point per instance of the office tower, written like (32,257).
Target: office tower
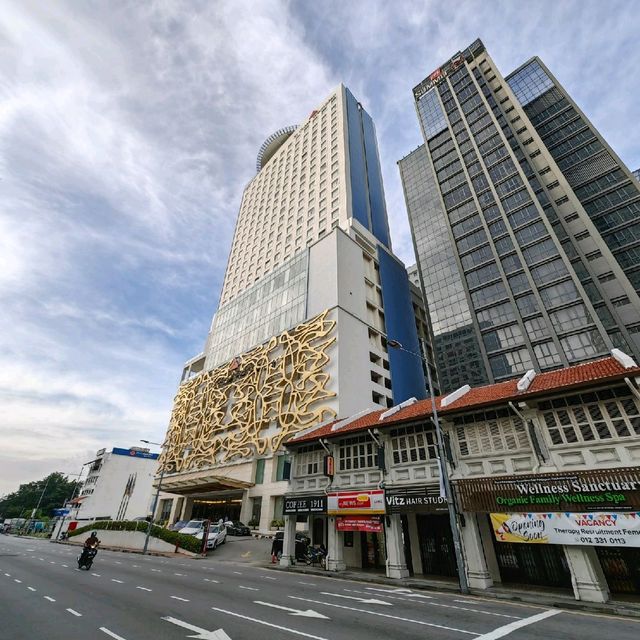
(310,294)
(636,174)
(523,219)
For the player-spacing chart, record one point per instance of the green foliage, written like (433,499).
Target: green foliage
(254,522)
(277,524)
(20,503)
(182,540)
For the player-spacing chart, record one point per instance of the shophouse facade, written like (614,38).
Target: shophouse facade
(545,471)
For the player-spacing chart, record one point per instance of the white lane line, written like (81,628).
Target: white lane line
(179,598)
(51,562)
(269,624)
(309,584)
(97,575)
(110,633)
(386,615)
(118,562)
(156,570)
(269,578)
(209,580)
(18,581)
(248,588)
(135,566)
(466,601)
(66,566)
(143,589)
(178,574)
(118,581)
(8,575)
(75,613)
(31,588)
(49,598)
(500,632)
(237,573)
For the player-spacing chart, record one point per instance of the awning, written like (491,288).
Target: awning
(200,482)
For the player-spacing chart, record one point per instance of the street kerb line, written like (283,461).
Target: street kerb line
(269,624)
(110,633)
(500,632)
(387,615)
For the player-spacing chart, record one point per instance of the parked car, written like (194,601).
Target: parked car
(176,526)
(302,542)
(237,528)
(193,527)
(217,536)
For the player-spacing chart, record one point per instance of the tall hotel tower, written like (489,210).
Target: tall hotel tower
(310,294)
(526,224)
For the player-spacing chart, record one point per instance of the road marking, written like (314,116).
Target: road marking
(203,634)
(387,615)
(31,588)
(8,575)
(309,584)
(486,613)
(269,578)
(405,593)
(248,588)
(49,598)
(18,581)
(41,559)
(209,580)
(269,624)
(500,632)
(179,598)
(237,573)
(135,566)
(118,562)
(66,566)
(75,613)
(110,633)
(179,574)
(97,575)
(118,581)
(51,562)
(309,613)
(363,600)
(156,570)
(143,588)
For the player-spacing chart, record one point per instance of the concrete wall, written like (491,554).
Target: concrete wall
(128,540)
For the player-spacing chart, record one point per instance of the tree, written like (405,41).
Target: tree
(25,499)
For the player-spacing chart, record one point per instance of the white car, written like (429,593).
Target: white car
(193,528)
(217,536)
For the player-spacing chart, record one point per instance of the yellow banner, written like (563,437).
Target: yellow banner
(509,527)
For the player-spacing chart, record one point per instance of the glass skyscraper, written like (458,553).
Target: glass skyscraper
(525,224)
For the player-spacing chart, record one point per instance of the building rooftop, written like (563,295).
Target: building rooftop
(603,370)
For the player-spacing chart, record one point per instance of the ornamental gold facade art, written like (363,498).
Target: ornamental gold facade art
(252,404)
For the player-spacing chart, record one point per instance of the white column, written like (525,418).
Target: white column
(396,560)
(587,577)
(289,542)
(414,538)
(486,534)
(187,509)
(477,571)
(173,516)
(335,548)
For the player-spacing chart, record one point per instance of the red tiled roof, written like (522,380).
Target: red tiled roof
(493,394)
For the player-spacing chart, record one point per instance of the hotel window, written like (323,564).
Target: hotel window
(413,444)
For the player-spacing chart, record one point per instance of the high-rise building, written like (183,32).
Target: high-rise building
(525,224)
(636,174)
(311,292)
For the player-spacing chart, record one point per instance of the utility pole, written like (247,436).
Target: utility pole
(155,501)
(444,473)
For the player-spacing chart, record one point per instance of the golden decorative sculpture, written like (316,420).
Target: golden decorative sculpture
(253,403)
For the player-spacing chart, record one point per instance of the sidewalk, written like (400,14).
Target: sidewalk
(550,598)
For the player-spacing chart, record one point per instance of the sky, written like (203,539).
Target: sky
(128,131)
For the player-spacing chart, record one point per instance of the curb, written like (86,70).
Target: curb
(615,608)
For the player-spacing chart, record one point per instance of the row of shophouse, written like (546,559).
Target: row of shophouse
(545,473)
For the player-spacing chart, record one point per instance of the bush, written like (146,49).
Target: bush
(254,522)
(182,540)
(277,524)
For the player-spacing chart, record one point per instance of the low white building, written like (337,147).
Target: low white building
(118,485)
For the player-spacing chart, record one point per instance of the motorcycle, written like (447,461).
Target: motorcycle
(315,554)
(85,559)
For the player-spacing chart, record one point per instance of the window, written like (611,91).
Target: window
(356,453)
(489,294)
(282,460)
(583,345)
(536,328)
(559,294)
(413,444)
(549,271)
(588,417)
(504,338)
(496,315)
(308,461)
(259,476)
(511,363)
(547,354)
(490,432)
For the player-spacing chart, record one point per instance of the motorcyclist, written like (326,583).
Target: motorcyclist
(92,540)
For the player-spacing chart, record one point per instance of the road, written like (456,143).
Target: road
(133,597)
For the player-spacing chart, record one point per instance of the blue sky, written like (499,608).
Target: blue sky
(127,133)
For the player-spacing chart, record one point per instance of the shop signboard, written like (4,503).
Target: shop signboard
(367,524)
(424,499)
(294,505)
(597,529)
(601,490)
(355,503)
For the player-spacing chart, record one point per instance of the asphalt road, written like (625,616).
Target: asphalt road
(133,597)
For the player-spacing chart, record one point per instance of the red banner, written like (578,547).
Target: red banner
(370,525)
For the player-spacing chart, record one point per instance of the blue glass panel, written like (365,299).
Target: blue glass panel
(431,114)
(530,82)
(358,170)
(407,377)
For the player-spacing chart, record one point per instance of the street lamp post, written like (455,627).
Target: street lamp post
(444,473)
(155,501)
